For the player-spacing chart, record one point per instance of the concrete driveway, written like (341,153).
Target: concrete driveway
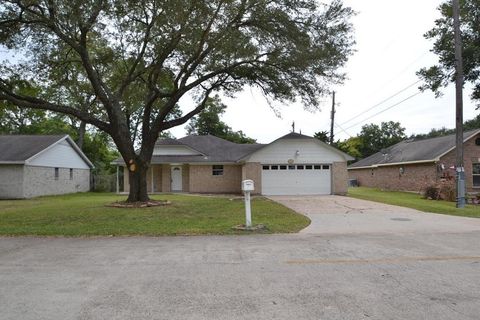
(344,215)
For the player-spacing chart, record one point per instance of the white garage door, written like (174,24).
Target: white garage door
(283,179)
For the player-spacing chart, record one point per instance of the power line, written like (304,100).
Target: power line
(382,102)
(343,130)
(382,111)
(405,69)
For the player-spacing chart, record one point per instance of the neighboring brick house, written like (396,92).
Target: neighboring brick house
(411,165)
(292,164)
(38,165)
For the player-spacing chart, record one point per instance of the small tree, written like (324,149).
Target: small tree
(375,138)
(124,65)
(208,122)
(322,136)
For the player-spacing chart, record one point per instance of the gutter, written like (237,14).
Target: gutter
(394,164)
(12,162)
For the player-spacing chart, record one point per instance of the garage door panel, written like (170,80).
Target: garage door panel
(296,182)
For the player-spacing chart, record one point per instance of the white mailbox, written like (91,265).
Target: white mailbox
(248,185)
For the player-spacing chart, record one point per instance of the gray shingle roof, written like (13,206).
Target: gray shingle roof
(168,142)
(416,150)
(294,135)
(216,150)
(18,148)
(211,150)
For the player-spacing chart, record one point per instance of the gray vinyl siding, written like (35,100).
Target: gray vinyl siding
(61,155)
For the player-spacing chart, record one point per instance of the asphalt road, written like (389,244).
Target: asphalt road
(399,276)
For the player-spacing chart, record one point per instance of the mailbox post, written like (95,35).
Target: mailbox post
(247,187)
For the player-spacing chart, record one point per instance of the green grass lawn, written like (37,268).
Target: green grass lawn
(414,201)
(85,214)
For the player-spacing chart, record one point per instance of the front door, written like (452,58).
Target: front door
(176,175)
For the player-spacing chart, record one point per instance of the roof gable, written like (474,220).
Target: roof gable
(19,148)
(294,139)
(22,148)
(425,150)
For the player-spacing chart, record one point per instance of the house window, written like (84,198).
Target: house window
(266,167)
(308,167)
(477,141)
(283,167)
(57,173)
(274,167)
(300,167)
(326,167)
(71,174)
(476,175)
(291,167)
(318,167)
(217,170)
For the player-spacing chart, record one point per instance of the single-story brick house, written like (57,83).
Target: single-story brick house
(293,164)
(38,165)
(413,164)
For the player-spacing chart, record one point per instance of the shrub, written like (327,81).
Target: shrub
(443,190)
(431,192)
(448,191)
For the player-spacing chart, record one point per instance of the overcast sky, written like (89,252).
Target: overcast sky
(390,49)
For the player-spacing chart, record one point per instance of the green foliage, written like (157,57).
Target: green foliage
(351,146)
(322,136)
(208,122)
(472,124)
(370,140)
(375,138)
(128,63)
(86,214)
(439,76)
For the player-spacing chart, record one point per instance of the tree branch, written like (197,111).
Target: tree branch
(40,104)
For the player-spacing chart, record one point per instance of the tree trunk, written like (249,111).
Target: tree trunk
(81,134)
(138,182)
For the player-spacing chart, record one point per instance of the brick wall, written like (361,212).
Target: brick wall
(186,178)
(253,171)
(40,181)
(414,178)
(339,178)
(202,180)
(11,181)
(471,155)
(166,182)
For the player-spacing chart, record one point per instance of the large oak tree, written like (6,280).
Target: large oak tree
(124,65)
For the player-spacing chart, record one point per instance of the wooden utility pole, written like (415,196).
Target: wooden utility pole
(460,170)
(333,118)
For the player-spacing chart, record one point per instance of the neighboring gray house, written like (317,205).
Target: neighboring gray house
(37,165)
